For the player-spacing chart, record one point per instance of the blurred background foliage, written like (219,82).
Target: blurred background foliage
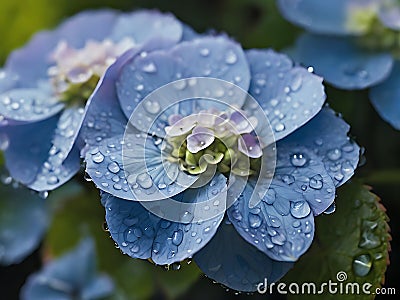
(253,23)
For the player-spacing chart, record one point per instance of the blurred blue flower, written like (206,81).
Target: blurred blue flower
(72,276)
(44,88)
(24,218)
(353,44)
(184,157)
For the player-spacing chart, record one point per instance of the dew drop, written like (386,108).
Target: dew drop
(98,158)
(177,237)
(204,52)
(334,154)
(296,83)
(331,209)
(299,209)
(316,182)
(52,180)
(362,265)
(149,68)
(279,127)
(255,221)
(288,179)
(152,107)
(230,57)
(298,160)
(113,167)
(144,180)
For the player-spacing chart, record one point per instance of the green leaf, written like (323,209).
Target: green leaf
(81,215)
(354,240)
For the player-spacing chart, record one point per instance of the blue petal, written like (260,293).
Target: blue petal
(28,148)
(29,105)
(141,234)
(104,118)
(66,277)
(8,80)
(31,62)
(87,25)
(385,97)
(328,16)
(217,57)
(145,25)
(281,225)
(134,167)
(289,95)
(327,135)
(230,260)
(56,171)
(342,63)
(23,221)
(98,288)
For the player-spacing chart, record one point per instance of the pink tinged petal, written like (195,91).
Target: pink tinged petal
(79,74)
(249,145)
(183,126)
(200,139)
(172,119)
(243,124)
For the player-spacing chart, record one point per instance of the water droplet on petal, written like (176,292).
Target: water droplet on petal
(4,142)
(334,154)
(113,167)
(298,160)
(98,158)
(296,83)
(316,182)
(204,52)
(255,221)
(279,127)
(362,265)
(331,209)
(230,57)
(299,209)
(152,107)
(52,180)
(177,237)
(144,180)
(288,179)
(149,68)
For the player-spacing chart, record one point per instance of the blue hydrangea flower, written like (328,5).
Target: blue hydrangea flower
(24,218)
(44,88)
(353,44)
(72,276)
(194,177)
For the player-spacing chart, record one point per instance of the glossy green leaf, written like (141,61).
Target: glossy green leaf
(82,215)
(351,246)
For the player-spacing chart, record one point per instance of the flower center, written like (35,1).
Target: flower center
(375,35)
(225,140)
(76,72)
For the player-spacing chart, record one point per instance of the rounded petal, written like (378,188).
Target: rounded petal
(342,63)
(281,225)
(87,25)
(289,95)
(385,97)
(8,80)
(64,277)
(56,171)
(23,221)
(141,234)
(29,105)
(145,74)
(145,25)
(28,148)
(327,135)
(217,57)
(134,167)
(328,16)
(230,260)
